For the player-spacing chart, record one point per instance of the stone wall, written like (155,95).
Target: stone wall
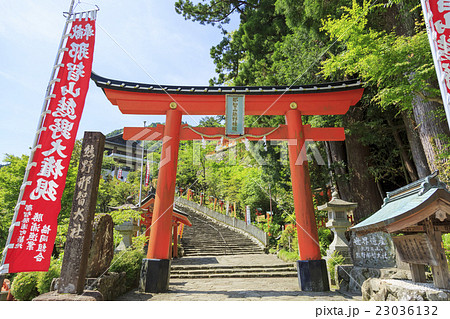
(401,290)
(110,285)
(250,231)
(351,278)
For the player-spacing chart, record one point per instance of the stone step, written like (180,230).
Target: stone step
(202,267)
(218,252)
(236,275)
(231,271)
(216,248)
(218,241)
(221,254)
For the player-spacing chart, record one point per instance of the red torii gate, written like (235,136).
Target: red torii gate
(175,101)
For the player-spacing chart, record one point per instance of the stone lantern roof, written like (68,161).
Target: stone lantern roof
(337,204)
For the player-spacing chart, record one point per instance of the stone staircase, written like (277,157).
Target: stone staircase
(213,250)
(227,271)
(208,238)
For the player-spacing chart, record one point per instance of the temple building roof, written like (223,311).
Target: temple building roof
(177,215)
(406,207)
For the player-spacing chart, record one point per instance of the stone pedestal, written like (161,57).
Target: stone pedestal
(313,275)
(155,275)
(339,226)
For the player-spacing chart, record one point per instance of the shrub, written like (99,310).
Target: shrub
(45,278)
(335,259)
(288,239)
(129,261)
(325,239)
(288,256)
(24,286)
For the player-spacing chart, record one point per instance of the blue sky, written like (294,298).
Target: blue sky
(166,49)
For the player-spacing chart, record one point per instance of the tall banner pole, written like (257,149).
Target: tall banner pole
(437,20)
(33,228)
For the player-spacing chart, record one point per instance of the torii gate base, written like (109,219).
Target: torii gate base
(175,101)
(155,275)
(312,275)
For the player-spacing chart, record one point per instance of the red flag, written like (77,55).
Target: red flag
(34,232)
(119,174)
(437,19)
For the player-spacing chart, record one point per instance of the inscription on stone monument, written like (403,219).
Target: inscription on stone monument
(375,250)
(76,252)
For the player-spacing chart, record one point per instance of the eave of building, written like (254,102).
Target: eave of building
(314,99)
(407,206)
(125,157)
(124,146)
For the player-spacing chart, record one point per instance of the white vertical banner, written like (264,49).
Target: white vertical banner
(437,19)
(248,217)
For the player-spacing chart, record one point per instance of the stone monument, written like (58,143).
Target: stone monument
(76,252)
(102,246)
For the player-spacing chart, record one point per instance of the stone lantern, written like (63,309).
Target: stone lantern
(127,229)
(338,222)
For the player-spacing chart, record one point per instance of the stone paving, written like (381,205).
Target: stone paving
(234,289)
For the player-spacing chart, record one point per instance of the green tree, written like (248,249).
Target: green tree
(399,65)
(11,178)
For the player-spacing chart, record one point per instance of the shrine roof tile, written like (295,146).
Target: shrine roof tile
(103,82)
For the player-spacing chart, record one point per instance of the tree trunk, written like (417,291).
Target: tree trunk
(415,144)
(409,166)
(338,161)
(430,127)
(363,186)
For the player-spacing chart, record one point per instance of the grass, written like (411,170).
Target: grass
(288,256)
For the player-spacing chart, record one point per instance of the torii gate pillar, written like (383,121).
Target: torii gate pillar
(155,271)
(312,270)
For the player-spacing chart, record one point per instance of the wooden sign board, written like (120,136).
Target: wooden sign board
(260,218)
(415,249)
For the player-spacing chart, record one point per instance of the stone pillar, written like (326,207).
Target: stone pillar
(76,252)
